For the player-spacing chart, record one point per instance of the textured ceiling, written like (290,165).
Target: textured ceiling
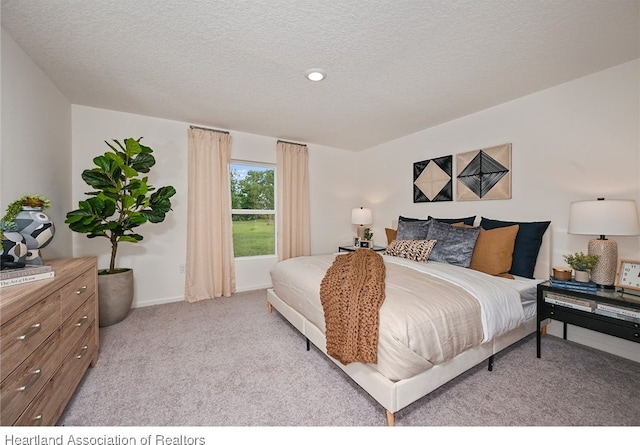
(393,67)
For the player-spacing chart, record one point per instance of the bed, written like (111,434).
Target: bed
(417,350)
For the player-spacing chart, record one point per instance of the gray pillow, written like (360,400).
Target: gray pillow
(455,244)
(408,230)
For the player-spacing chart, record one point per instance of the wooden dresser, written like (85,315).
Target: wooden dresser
(48,339)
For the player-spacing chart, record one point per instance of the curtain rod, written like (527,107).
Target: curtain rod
(294,143)
(193,127)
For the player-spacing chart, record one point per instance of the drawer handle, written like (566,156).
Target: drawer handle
(81,290)
(83,351)
(636,335)
(33,330)
(32,381)
(82,321)
(37,420)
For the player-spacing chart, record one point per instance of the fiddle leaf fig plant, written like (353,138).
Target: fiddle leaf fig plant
(124,200)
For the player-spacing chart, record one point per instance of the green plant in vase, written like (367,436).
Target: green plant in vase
(581,261)
(123,200)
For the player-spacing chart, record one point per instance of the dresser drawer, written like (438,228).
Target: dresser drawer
(22,385)
(74,326)
(76,292)
(48,406)
(24,333)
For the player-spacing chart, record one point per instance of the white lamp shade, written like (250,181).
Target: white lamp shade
(616,217)
(361,215)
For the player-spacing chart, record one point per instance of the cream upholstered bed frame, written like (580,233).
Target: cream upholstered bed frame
(395,395)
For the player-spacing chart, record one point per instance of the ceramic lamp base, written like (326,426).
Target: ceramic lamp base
(604,272)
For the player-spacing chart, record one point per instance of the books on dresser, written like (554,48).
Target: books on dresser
(27,274)
(28,269)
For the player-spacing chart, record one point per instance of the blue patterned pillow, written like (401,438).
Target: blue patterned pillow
(527,246)
(454,244)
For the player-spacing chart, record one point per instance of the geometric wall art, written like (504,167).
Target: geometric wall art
(432,180)
(484,174)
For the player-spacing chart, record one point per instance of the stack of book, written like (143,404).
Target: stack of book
(575,285)
(574,303)
(26,274)
(619,312)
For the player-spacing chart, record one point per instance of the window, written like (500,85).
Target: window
(253,209)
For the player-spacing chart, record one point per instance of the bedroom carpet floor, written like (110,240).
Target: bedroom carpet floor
(228,362)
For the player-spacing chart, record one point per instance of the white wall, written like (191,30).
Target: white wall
(35,149)
(579,140)
(157,259)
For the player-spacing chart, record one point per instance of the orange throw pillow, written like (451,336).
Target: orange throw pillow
(493,252)
(391,235)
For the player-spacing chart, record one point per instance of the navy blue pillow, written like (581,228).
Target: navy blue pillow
(527,246)
(406,218)
(467,220)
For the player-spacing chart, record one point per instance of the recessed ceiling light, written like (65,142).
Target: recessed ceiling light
(315,74)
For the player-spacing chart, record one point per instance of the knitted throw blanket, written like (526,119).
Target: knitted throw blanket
(351,294)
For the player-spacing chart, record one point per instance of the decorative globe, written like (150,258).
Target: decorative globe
(14,249)
(37,230)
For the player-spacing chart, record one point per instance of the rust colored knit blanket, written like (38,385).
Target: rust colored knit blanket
(351,294)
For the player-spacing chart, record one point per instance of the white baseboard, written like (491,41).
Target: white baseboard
(181,297)
(158,301)
(614,345)
(254,287)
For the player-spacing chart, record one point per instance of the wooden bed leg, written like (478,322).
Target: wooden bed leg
(391,419)
(491,363)
(269,307)
(543,330)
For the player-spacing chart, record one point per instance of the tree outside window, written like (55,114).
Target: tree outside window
(253,209)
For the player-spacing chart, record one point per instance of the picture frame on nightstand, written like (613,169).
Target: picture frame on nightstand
(364,244)
(628,275)
(356,241)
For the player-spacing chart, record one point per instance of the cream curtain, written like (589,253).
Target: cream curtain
(210,267)
(294,232)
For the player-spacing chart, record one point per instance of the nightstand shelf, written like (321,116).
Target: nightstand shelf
(610,323)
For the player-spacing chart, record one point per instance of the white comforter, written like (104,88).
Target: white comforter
(499,298)
(410,340)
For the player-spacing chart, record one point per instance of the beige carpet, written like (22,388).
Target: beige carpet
(229,362)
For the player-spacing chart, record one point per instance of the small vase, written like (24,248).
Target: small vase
(582,276)
(37,229)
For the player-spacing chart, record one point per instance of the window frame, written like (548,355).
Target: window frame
(265,165)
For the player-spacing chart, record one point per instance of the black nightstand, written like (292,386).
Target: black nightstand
(353,248)
(608,311)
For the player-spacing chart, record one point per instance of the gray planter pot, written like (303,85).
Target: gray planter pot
(115,297)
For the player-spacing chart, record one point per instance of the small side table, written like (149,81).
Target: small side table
(568,306)
(354,248)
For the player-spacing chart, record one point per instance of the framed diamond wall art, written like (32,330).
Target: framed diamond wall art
(432,180)
(484,174)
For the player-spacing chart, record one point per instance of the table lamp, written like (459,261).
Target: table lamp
(615,217)
(361,216)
